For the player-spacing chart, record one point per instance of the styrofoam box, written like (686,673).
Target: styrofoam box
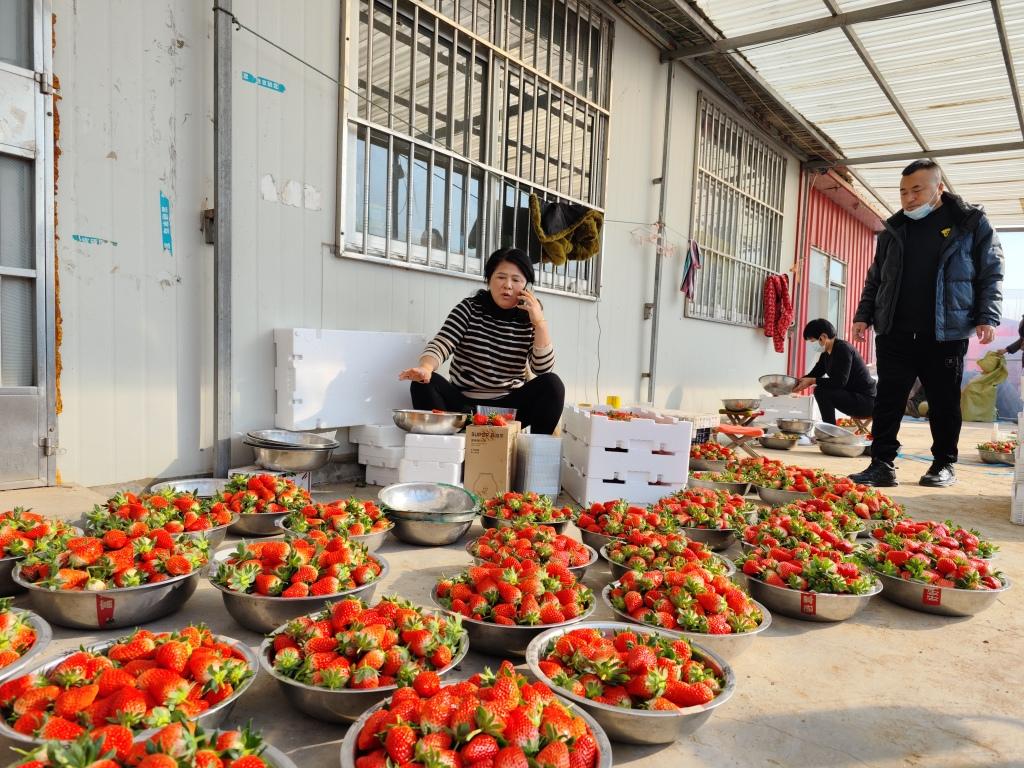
(380,435)
(442,455)
(381,476)
(445,442)
(648,430)
(410,471)
(380,457)
(636,488)
(619,464)
(787,407)
(301,479)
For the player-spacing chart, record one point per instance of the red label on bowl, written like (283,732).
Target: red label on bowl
(104,610)
(809,603)
(931,596)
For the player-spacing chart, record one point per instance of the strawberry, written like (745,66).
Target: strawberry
(116,738)
(554,755)
(483,746)
(399,743)
(173,655)
(74,700)
(427,683)
(511,757)
(60,729)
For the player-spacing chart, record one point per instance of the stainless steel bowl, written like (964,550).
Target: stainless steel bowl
(703,465)
(809,606)
(284,438)
(823,431)
(8,586)
(596,540)
(579,571)
(265,614)
(740,489)
(428,499)
(428,422)
(996,457)
(372,541)
(290,459)
(502,640)
(778,497)
(200,487)
(717,539)
(795,426)
(637,726)
(741,404)
(618,571)
(776,443)
(349,751)
(944,601)
(729,647)
(777,384)
(343,705)
(111,608)
(44,635)
(214,536)
(429,533)
(257,524)
(491,521)
(848,450)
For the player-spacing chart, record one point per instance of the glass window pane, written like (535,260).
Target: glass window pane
(473,221)
(514,24)
(17,211)
(819,269)
(418,226)
(16,33)
(466,13)
(460,101)
(544,35)
(403,75)
(17,332)
(540,157)
(378,185)
(835,306)
(438,203)
(442,89)
(478,110)
(380,76)
(528,106)
(513,117)
(530,32)
(424,48)
(356,189)
(838,272)
(400,191)
(483,18)
(362,84)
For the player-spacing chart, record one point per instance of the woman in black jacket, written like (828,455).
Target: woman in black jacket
(840,379)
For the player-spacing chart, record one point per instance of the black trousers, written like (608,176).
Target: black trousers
(538,402)
(902,358)
(853,404)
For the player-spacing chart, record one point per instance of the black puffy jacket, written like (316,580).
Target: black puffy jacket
(969,283)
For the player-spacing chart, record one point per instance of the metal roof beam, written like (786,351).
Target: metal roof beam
(875,13)
(980,149)
(1011,72)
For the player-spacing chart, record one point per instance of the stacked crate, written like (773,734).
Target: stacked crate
(640,460)
(381,450)
(433,459)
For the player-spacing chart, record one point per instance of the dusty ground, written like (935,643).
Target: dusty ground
(890,687)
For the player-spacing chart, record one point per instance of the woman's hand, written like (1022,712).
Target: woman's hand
(529,302)
(802,384)
(419,374)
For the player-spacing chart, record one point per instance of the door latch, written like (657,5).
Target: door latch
(49,446)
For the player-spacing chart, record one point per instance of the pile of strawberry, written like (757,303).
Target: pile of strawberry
(141,681)
(691,599)
(260,493)
(529,506)
(170,511)
(649,550)
(791,478)
(703,508)
(863,501)
(297,568)
(711,452)
(16,635)
(113,561)
(616,519)
(932,564)
(22,532)
(492,419)
(754,469)
(493,719)
(834,516)
(632,670)
(351,645)
(788,526)
(510,547)
(177,745)
(948,535)
(999,446)
(807,568)
(616,415)
(531,594)
(725,476)
(351,517)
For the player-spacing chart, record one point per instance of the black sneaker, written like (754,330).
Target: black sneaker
(939,476)
(880,474)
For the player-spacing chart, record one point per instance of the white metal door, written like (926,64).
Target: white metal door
(27,383)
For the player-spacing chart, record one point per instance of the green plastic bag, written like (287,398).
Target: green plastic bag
(978,400)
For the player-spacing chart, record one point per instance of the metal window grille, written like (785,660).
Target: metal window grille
(453,132)
(738,198)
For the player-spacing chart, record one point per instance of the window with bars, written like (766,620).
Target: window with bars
(465,108)
(738,199)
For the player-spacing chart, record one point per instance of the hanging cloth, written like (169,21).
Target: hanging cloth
(690,267)
(778,310)
(566,230)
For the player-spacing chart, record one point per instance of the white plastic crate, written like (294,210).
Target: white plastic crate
(380,435)
(443,455)
(648,430)
(787,407)
(618,463)
(635,488)
(381,476)
(410,471)
(388,458)
(301,479)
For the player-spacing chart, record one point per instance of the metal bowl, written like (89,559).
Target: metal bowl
(637,726)
(8,586)
(737,405)
(740,489)
(349,750)
(729,647)
(344,705)
(996,457)
(284,438)
(111,608)
(200,487)
(776,443)
(290,459)
(795,426)
(372,541)
(429,533)
(257,524)
(944,601)
(778,497)
(597,540)
(703,465)
(716,539)
(44,634)
(809,606)
(428,499)
(579,571)
(823,431)
(777,384)
(618,570)
(428,422)
(271,755)
(848,450)
(502,640)
(214,536)
(492,521)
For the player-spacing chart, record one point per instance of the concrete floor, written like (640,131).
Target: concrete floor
(890,687)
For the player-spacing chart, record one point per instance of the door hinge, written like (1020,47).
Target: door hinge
(648,310)
(49,446)
(45,83)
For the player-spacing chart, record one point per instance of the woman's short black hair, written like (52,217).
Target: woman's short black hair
(815,328)
(512,256)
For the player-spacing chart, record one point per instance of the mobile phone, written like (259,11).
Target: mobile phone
(529,287)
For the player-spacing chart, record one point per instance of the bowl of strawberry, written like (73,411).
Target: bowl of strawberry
(725,480)
(266,583)
(808,582)
(710,457)
(603,523)
(334,664)
(784,485)
(178,513)
(945,534)
(650,550)
(997,451)
(24,637)
(140,681)
(360,520)
(503,609)
(496,719)
(22,532)
(509,508)
(788,527)
(643,685)
(710,517)
(510,547)
(707,608)
(112,582)
(873,507)
(259,501)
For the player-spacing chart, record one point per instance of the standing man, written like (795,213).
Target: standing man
(937,278)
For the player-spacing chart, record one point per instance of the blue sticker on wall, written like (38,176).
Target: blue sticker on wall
(89,240)
(165,223)
(263,82)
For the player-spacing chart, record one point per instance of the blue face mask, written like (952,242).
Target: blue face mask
(920,212)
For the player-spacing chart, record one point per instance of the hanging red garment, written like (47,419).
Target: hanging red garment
(778,310)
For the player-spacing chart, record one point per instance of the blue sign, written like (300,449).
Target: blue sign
(165,223)
(263,82)
(88,240)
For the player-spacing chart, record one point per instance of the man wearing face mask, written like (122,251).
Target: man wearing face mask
(936,279)
(840,379)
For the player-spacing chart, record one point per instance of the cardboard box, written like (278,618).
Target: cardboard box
(490,459)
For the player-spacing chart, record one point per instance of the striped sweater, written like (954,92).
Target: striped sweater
(490,347)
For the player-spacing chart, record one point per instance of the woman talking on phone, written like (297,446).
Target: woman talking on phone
(493,337)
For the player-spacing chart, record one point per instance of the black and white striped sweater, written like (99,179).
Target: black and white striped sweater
(490,347)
